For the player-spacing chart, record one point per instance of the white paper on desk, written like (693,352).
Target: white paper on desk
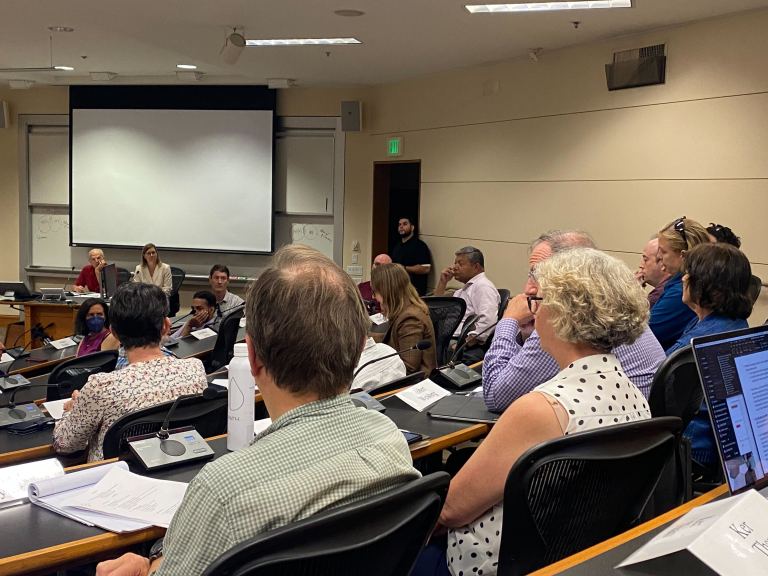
(729,536)
(125,495)
(221,382)
(63,343)
(203,333)
(55,408)
(420,396)
(260,425)
(379,319)
(6,358)
(56,494)
(15,480)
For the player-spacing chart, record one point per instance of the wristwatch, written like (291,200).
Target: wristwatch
(156,551)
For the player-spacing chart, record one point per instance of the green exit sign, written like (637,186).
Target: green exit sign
(395,146)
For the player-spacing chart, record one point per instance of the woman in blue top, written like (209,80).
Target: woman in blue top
(670,316)
(715,287)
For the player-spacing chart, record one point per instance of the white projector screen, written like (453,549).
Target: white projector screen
(184,179)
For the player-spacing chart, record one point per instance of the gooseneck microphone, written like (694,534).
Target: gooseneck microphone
(11,414)
(69,278)
(174,447)
(420,345)
(221,312)
(452,362)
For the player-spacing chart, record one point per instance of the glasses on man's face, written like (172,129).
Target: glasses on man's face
(679,226)
(533,303)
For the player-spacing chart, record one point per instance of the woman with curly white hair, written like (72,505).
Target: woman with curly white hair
(587,304)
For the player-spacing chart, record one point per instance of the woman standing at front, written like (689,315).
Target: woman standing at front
(153,271)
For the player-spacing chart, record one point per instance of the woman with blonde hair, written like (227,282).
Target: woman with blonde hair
(670,315)
(153,271)
(408,315)
(586,304)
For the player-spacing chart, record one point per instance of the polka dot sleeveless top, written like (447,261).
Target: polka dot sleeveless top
(595,392)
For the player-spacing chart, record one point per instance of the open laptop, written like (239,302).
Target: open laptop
(733,367)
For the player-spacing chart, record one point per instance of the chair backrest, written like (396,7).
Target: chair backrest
(504,295)
(177,279)
(379,536)
(446,313)
(570,493)
(209,417)
(409,380)
(676,388)
(123,276)
(755,285)
(223,349)
(73,374)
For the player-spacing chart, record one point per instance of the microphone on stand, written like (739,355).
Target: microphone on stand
(69,278)
(458,375)
(11,414)
(420,345)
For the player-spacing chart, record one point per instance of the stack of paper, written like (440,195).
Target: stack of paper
(111,498)
(15,480)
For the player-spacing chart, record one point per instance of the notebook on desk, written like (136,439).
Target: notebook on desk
(463,408)
(733,368)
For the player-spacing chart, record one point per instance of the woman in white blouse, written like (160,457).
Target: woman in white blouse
(152,270)
(584,304)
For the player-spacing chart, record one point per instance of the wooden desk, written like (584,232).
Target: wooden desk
(60,314)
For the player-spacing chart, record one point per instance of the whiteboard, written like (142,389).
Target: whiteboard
(49,166)
(317,236)
(50,238)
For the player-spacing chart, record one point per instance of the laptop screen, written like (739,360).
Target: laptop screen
(108,280)
(733,367)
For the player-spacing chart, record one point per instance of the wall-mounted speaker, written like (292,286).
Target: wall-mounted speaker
(639,67)
(5,119)
(351,116)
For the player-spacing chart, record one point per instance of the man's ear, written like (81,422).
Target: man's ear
(257,366)
(166,329)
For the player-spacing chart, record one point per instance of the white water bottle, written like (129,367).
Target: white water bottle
(241,400)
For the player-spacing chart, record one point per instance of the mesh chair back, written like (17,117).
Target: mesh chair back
(676,388)
(504,295)
(378,536)
(572,492)
(177,279)
(73,374)
(409,380)
(446,313)
(209,417)
(755,285)
(223,349)
(123,276)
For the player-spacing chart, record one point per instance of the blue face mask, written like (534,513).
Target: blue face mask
(95,323)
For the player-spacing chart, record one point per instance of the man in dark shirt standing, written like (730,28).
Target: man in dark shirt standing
(413,254)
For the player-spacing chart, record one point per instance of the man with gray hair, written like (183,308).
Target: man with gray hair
(478,292)
(305,331)
(512,368)
(89,279)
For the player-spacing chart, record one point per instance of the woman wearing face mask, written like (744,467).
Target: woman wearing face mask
(92,322)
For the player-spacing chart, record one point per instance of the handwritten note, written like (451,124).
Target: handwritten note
(422,395)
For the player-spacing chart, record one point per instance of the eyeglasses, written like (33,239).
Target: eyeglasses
(679,226)
(533,303)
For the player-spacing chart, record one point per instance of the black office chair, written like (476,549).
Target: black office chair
(209,417)
(446,313)
(73,374)
(755,285)
(676,389)
(504,295)
(223,349)
(177,275)
(570,493)
(409,380)
(123,276)
(379,536)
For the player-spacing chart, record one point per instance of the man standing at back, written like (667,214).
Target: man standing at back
(413,254)
(512,369)
(479,293)
(320,451)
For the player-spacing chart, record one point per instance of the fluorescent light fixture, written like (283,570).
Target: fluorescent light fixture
(302,42)
(64,68)
(547,6)
(186,66)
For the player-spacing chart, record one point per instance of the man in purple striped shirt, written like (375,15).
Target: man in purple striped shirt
(513,368)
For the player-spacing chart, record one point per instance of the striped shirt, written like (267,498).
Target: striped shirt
(312,458)
(511,370)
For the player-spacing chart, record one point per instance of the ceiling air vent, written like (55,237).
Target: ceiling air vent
(637,67)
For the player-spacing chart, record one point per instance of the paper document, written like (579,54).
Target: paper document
(420,396)
(204,333)
(55,408)
(224,382)
(6,358)
(260,425)
(379,319)
(15,480)
(125,495)
(63,343)
(242,322)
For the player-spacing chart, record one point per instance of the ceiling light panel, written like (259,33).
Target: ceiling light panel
(546,6)
(302,42)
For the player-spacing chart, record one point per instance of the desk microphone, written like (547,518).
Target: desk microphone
(37,331)
(69,278)
(174,447)
(452,362)
(420,345)
(221,312)
(12,415)
(458,375)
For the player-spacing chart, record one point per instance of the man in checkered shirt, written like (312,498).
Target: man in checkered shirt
(306,329)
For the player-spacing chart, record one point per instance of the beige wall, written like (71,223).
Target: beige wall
(552,148)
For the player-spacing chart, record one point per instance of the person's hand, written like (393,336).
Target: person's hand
(517,309)
(100,265)
(69,404)
(471,340)
(2,347)
(78,289)
(129,564)
(640,276)
(446,275)
(199,319)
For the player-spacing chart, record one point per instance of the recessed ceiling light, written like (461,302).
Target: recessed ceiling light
(546,6)
(302,42)
(64,68)
(60,29)
(349,13)
(186,66)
